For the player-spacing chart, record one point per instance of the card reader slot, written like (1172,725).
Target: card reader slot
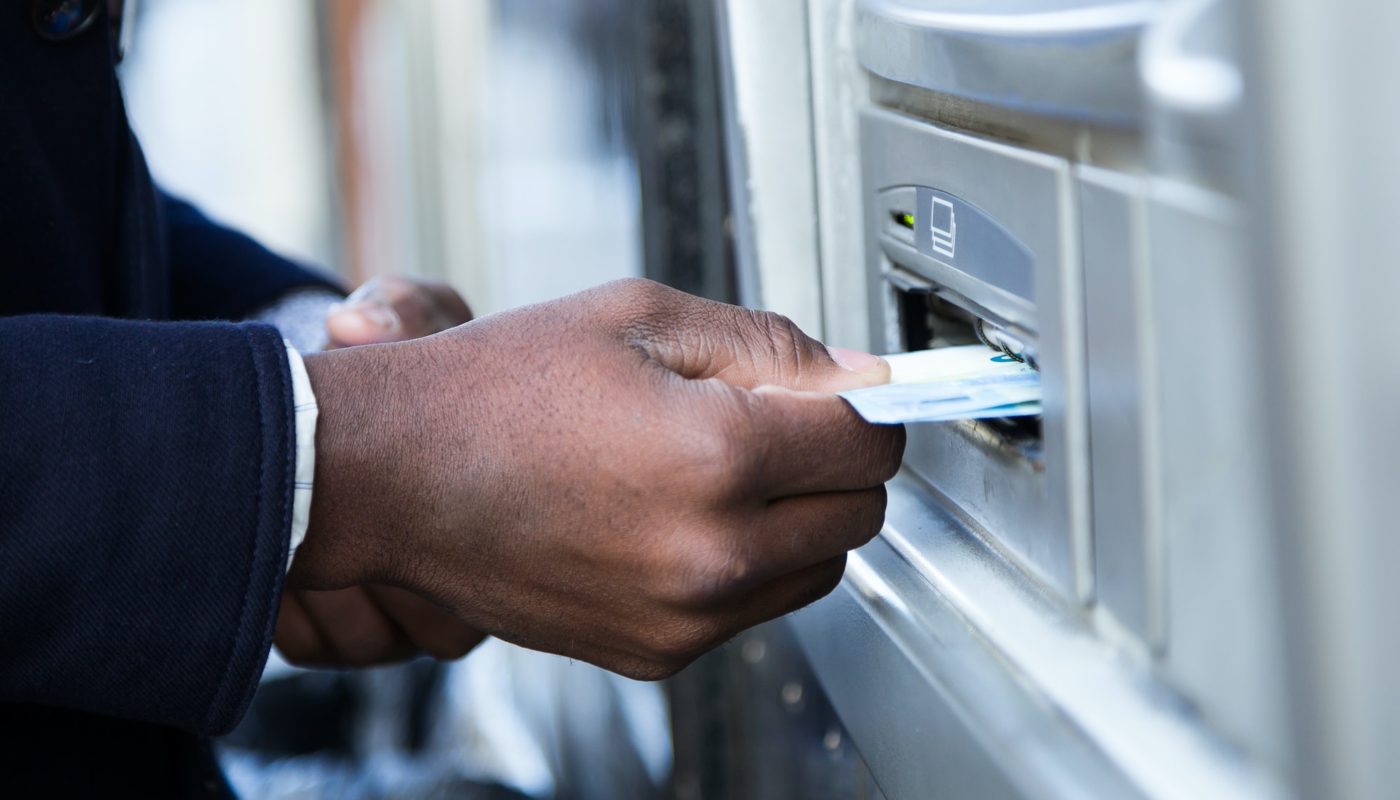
(1011,268)
(927,321)
(930,318)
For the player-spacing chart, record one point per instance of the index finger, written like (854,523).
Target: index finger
(700,339)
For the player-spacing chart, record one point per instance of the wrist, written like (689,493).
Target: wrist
(345,533)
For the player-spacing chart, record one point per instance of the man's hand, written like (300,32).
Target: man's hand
(628,476)
(394,309)
(363,626)
(371,624)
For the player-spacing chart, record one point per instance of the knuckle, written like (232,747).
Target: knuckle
(682,641)
(730,454)
(779,332)
(643,310)
(893,455)
(823,582)
(828,580)
(784,340)
(638,293)
(740,424)
(777,327)
(881,449)
(879,503)
(873,513)
(711,573)
(744,446)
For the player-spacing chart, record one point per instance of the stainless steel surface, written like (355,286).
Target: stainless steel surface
(1223,602)
(1072,58)
(1194,92)
(1325,195)
(840,88)
(766,88)
(1127,566)
(959,679)
(1037,509)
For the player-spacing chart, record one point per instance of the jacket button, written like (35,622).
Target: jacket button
(61,20)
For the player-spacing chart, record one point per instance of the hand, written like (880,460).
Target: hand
(628,476)
(394,309)
(362,626)
(371,624)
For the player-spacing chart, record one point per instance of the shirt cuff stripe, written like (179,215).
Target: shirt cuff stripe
(306,411)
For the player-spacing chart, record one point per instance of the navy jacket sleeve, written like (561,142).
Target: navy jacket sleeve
(145,500)
(219,273)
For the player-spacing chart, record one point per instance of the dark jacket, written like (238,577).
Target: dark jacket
(145,462)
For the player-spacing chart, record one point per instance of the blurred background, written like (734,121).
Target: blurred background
(488,143)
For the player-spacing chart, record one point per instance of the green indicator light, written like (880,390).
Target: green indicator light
(903,218)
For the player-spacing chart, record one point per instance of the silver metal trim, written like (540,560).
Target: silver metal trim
(1054,710)
(1068,58)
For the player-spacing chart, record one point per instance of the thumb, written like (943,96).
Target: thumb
(871,369)
(368,321)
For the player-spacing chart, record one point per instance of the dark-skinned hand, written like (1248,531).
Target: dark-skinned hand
(627,476)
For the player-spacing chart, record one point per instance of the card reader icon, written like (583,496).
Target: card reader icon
(944,227)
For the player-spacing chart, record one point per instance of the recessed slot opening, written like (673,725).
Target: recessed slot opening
(928,321)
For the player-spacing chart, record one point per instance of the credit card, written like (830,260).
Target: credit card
(950,383)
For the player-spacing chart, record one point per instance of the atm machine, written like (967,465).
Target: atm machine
(1163,587)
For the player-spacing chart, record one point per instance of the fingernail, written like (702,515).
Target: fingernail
(377,315)
(855,360)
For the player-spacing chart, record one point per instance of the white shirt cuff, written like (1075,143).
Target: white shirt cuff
(305,409)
